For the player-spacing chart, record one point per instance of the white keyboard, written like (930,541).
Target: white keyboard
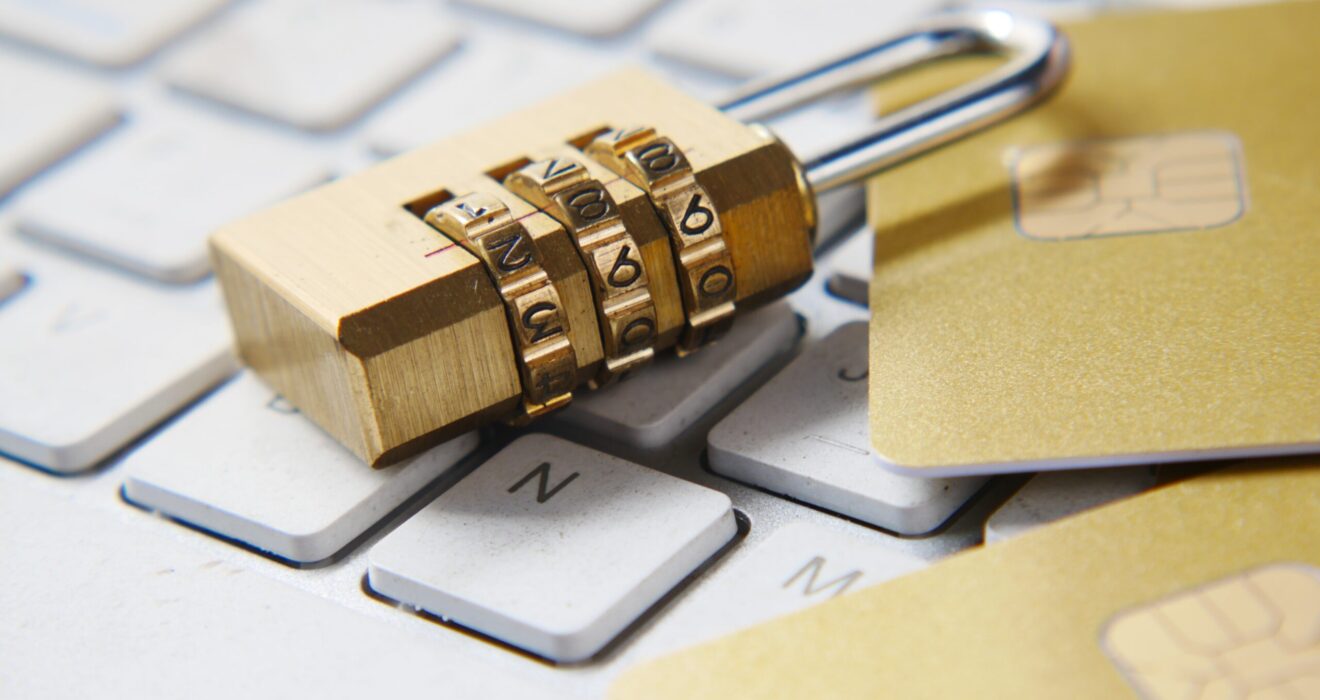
(691,500)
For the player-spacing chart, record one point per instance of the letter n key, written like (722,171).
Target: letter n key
(544,491)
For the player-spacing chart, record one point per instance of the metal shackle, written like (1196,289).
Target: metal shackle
(1038,57)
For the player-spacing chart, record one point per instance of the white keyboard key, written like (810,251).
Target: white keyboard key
(50,111)
(316,64)
(552,547)
(148,612)
(591,17)
(851,267)
(746,40)
(160,186)
(1057,10)
(107,32)
(648,409)
(799,565)
(1050,496)
(805,435)
(92,358)
(512,71)
(11,280)
(245,464)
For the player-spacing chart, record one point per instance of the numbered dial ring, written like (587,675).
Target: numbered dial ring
(565,190)
(705,266)
(482,224)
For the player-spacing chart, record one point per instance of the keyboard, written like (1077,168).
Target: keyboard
(174,527)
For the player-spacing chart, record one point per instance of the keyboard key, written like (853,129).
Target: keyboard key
(552,547)
(647,410)
(591,17)
(744,40)
(839,212)
(513,71)
(1057,10)
(805,435)
(1172,590)
(59,110)
(107,32)
(246,465)
(316,64)
(91,359)
(799,565)
(851,267)
(152,612)
(161,186)
(1053,495)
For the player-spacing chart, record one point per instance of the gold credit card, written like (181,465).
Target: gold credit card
(1129,273)
(1207,588)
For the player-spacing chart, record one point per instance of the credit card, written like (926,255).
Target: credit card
(1130,273)
(1206,588)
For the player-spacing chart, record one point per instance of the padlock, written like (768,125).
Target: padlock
(492,274)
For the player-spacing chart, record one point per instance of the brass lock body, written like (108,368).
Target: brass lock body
(392,336)
(491,275)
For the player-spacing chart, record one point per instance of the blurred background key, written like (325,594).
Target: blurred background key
(245,464)
(92,358)
(111,33)
(751,39)
(850,270)
(1054,495)
(315,64)
(59,111)
(160,186)
(598,18)
(511,71)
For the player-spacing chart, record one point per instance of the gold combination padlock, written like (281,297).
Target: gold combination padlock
(490,275)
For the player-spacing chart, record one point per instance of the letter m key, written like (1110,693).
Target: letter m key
(812,571)
(544,491)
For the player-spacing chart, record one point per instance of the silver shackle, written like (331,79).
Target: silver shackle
(1037,62)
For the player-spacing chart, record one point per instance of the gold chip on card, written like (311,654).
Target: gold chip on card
(1133,185)
(1252,634)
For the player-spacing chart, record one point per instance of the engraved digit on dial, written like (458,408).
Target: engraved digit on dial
(625,312)
(658,157)
(510,260)
(704,261)
(715,281)
(471,210)
(547,363)
(625,270)
(540,327)
(589,204)
(696,218)
(638,331)
(554,383)
(556,167)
